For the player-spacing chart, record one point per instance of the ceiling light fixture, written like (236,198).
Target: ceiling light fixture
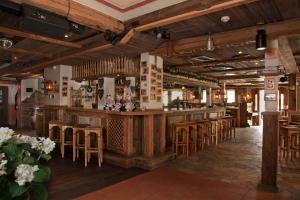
(162,34)
(5,43)
(230,74)
(261,40)
(225,19)
(240,52)
(210,43)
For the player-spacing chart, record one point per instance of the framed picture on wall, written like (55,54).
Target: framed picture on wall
(270,97)
(270,84)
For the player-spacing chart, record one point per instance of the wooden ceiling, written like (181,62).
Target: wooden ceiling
(235,42)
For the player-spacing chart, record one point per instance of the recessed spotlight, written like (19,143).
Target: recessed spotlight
(240,52)
(230,74)
(183,87)
(67,35)
(256,63)
(225,19)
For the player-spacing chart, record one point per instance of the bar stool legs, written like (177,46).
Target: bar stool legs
(88,149)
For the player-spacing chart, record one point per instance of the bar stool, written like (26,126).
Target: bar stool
(55,136)
(295,144)
(180,138)
(201,133)
(64,129)
(283,138)
(88,149)
(193,135)
(213,131)
(77,130)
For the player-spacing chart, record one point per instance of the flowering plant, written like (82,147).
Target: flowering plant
(21,170)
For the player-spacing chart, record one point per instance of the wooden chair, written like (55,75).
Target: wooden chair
(180,138)
(88,149)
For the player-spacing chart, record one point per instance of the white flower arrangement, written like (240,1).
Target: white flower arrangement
(24,173)
(21,174)
(3,163)
(5,134)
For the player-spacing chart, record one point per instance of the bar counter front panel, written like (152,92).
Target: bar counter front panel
(132,138)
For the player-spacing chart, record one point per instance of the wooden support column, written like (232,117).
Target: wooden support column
(292,92)
(148,136)
(269,151)
(162,134)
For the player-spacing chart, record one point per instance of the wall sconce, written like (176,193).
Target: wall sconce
(49,86)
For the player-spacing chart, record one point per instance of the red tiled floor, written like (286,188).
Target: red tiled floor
(170,184)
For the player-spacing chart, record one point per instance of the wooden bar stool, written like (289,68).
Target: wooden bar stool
(180,138)
(295,145)
(64,130)
(77,130)
(88,149)
(201,133)
(55,136)
(213,131)
(193,135)
(283,138)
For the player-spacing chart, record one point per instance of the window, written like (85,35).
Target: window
(175,94)
(165,98)
(281,101)
(230,96)
(256,102)
(203,99)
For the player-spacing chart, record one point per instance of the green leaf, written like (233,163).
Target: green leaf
(15,190)
(29,160)
(12,150)
(46,157)
(42,175)
(38,192)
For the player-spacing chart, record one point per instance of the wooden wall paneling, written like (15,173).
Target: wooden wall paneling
(129,136)
(162,134)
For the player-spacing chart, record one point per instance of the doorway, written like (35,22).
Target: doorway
(3,106)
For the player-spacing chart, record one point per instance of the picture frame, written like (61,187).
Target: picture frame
(270,97)
(270,84)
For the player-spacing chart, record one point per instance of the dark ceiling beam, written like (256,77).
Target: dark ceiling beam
(78,13)
(228,61)
(236,77)
(41,38)
(233,70)
(27,52)
(185,16)
(274,30)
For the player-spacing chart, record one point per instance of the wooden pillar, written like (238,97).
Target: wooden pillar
(269,151)
(148,136)
(292,91)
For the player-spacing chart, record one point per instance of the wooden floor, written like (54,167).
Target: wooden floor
(70,180)
(171,184)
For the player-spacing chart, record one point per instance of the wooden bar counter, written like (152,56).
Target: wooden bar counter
(132,138)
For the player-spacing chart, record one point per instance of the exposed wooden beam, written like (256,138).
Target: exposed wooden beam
(27,52)
(78,13)
(66,56)
(185,16)
(38,37)
(274,30)
(237,77)
(232,70)
(228,61)
(286,56)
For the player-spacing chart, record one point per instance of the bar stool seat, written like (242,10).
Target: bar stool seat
(88,149)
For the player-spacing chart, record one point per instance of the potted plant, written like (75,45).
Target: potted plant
(22,166)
